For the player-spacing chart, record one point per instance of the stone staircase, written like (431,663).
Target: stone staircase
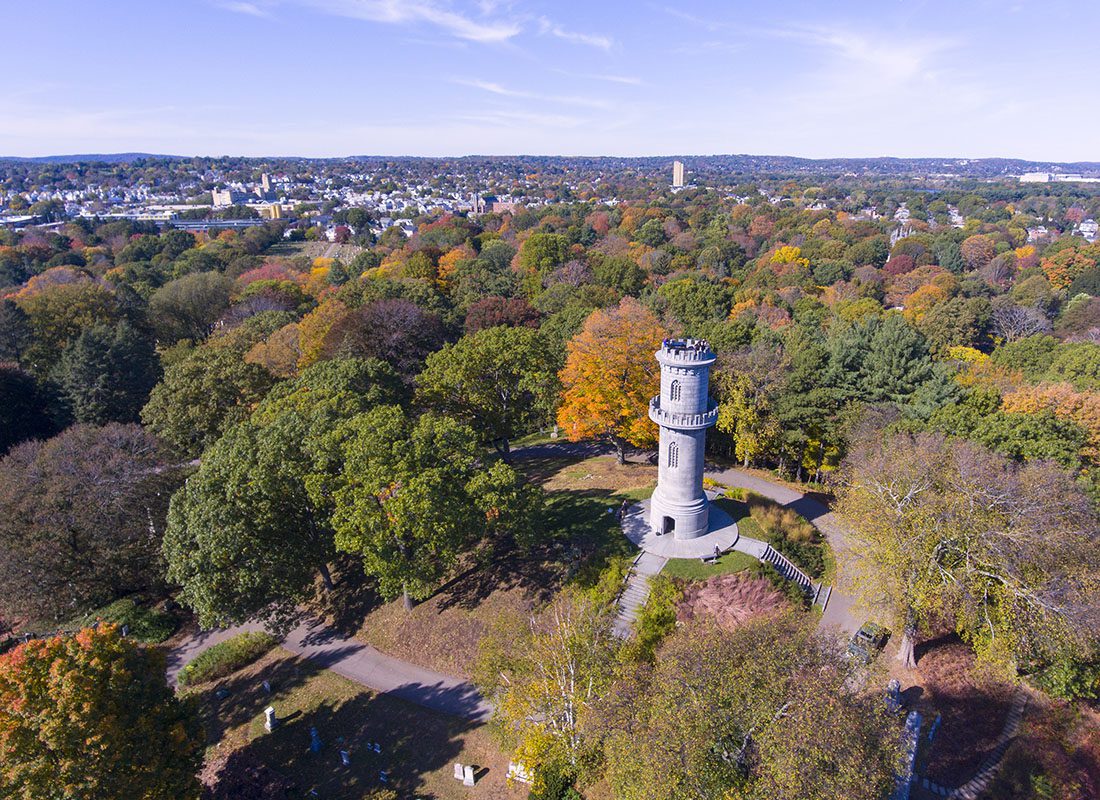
(635,592)
(987,771)
(762,551)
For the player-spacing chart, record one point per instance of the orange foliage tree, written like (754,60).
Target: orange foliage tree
(92,715)
(610,375)
(1066,402)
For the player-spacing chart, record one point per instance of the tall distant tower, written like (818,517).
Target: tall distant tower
(677,174)
(265,183)
(684,411)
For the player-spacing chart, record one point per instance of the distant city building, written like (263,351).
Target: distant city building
(677,174)
(265,183)
(1088,230)
(224,197)
(1056,177)
(500,207)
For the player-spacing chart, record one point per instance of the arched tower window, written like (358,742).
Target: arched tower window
(673,454)
(674,391)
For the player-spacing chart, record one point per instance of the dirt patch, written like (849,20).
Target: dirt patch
(439,634)
(596,473)
(730,600)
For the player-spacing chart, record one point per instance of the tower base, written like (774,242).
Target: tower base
(677,518)
(722,536)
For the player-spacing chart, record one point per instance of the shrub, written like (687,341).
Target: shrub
(656,620)
(790,534)
(791,590)
(1071,679)
(148,625)
(226,657)
(555,782)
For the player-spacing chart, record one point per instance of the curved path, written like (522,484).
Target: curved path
(358,662)
(840,610)
(447,694)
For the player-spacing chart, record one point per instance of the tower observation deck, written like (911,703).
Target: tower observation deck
(683,411)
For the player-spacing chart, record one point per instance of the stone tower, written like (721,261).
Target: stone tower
(684,411)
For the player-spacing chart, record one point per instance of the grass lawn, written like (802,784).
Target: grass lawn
(581,540)
(692,569)
(418,747)
(342,252)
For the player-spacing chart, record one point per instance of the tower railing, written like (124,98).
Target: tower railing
(675,419)
(687,350)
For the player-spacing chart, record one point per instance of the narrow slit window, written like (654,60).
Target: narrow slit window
(674,391)
(673,454)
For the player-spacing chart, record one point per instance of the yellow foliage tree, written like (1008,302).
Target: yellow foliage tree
(451,259)
(790,255)
(922,300)
(610,375)
(279,352)
(315,326)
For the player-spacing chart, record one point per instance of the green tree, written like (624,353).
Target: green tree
(249,533)
(106,373)
(501,381)
(958,321)
(1078,363)
(546,676)
(747,384)
(188,307)
(58,314)
(731,714)
(619,273)
(413,496)
(23,408)
(947,530)
(92,715)
(202,396)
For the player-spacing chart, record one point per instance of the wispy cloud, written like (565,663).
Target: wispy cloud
(886,58)
(483,29)
(251,9)
(503,91)
(546,27)
(626,80)
(709,24)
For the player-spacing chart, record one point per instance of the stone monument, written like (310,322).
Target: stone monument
(683,411)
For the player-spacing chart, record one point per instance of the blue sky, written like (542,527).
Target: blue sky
(813,78)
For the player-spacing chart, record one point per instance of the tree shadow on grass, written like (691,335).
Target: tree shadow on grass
(579,539)
(243,694)
(412,742)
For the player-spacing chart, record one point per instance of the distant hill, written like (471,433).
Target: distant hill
(975,168)
(105,158)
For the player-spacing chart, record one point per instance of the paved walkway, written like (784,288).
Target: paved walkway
(361,663)
(636,591)
(840,611)
(365,665)
(722,535)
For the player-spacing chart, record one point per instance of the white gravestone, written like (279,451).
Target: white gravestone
(468,776)
(458,771)
(269,718)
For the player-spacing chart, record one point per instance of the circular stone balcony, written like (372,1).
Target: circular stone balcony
(673,419)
